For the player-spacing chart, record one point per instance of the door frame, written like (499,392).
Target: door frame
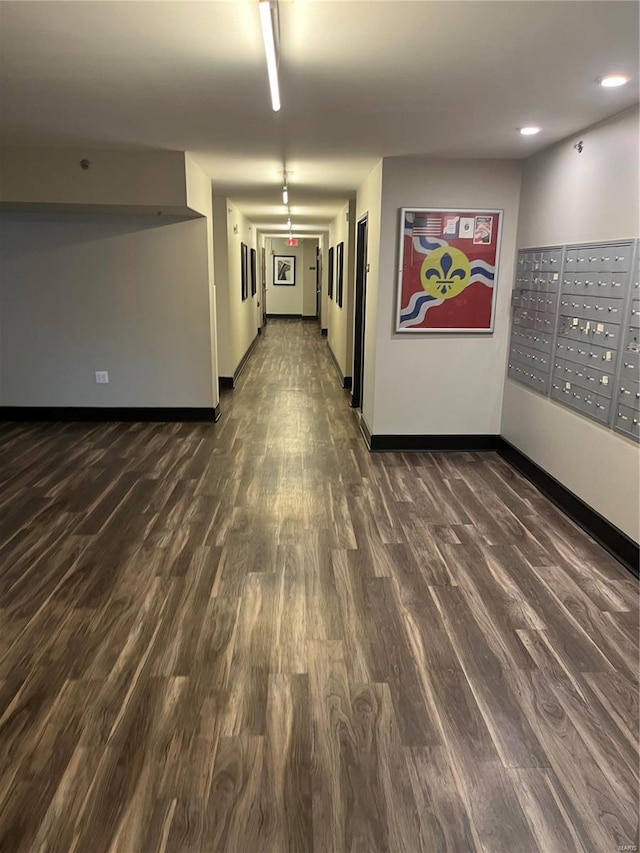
(362,268)
(263,296)
(318,280)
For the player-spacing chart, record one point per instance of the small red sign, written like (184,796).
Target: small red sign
(292,241)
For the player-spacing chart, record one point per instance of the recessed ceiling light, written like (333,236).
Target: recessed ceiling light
(531,130)
(613,80)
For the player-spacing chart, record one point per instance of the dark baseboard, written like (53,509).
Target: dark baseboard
(343,379)
(324,332)
(231,381)
(311,317)
(109,414)
(285,317)
(612,539)
(432,443)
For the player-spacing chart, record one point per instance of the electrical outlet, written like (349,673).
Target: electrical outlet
(102,377)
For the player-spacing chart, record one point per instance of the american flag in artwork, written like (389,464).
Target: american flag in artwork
(426,226)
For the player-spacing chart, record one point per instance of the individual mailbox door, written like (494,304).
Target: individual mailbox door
(571,285)
(593,261)
(588,284)
(627,420)
(606,258)
(634,314)
(562,391)
(582,259)
(618,285)
(603,282)
(630,367)
(566,348)
(570,304)
(569,327)
(605,334)
(621,258)
(602,408)
(554,260)
(571,261)
(629,395)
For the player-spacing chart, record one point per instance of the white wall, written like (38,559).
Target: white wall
(261,299)
(283,299)
(441,384)
(199,197)
(369,202)
(118,178)
(309,246)
(340,319)
(324,298)
(570,197)
(82,293)
(237,319)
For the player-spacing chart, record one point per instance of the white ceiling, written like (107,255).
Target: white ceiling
(359,80)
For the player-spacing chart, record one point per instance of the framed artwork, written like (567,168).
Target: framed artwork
(284,270)
(330,273)
(254,273)
(243,270)
(339,273)
(448,270)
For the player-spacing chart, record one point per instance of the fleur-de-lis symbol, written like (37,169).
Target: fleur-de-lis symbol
(445,277)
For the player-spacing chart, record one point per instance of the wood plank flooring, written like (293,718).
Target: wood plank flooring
(256,636)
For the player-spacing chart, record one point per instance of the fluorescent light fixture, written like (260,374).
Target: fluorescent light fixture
(270,52)
(285,195)
(530,130)
(613,80)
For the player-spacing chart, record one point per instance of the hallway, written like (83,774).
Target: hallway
(257,636)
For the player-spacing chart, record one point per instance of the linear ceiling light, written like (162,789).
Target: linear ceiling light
(530,130)
(266,22)
(285,191)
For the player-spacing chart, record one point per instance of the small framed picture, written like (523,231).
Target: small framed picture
(284,270)
(339,274)
(244,263)
(254,273)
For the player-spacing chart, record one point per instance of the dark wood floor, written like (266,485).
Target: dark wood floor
(257,636)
